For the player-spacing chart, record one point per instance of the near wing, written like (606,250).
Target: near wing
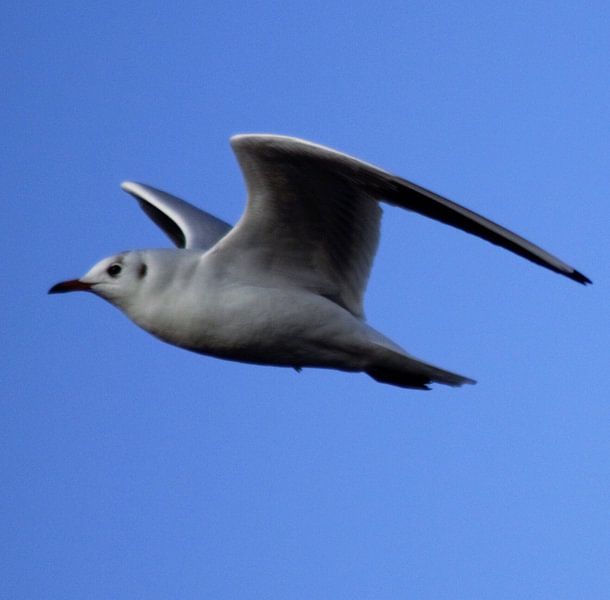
(186,225)
(312,217)
(309,221)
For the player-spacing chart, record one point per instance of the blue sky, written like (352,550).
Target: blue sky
(132,469)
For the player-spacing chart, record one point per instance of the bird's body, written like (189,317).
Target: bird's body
(285,286)
(227,314)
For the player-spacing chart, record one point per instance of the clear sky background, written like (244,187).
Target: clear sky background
(132,469)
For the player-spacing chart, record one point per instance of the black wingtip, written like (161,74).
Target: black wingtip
(579,277)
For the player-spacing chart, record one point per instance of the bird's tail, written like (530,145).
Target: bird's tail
(403,370)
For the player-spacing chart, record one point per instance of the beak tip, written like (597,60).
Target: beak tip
(72,285)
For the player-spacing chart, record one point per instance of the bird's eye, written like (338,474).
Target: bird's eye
(114,269)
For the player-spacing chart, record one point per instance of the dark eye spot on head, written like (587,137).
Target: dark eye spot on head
(142,270)
(114,269)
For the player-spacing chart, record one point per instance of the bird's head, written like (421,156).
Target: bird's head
(117,279)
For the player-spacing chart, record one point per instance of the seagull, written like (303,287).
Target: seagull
(284,286)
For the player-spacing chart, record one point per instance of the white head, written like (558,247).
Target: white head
(117,279)
(147,285)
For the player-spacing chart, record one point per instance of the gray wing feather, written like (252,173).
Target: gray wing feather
(314,211)
(186,225)
(305,220)
(401,192)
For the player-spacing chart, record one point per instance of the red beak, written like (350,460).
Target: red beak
(73,285)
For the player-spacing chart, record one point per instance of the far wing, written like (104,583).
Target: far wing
(186,225)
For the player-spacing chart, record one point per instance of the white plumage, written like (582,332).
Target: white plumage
(285,286)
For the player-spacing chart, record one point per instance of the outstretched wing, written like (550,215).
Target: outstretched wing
(308,222)
(186,225)
(312,217)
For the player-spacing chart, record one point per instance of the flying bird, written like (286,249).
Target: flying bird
(285,285)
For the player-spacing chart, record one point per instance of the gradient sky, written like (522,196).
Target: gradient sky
(132,469)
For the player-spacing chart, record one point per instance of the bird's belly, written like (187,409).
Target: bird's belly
(267,326)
